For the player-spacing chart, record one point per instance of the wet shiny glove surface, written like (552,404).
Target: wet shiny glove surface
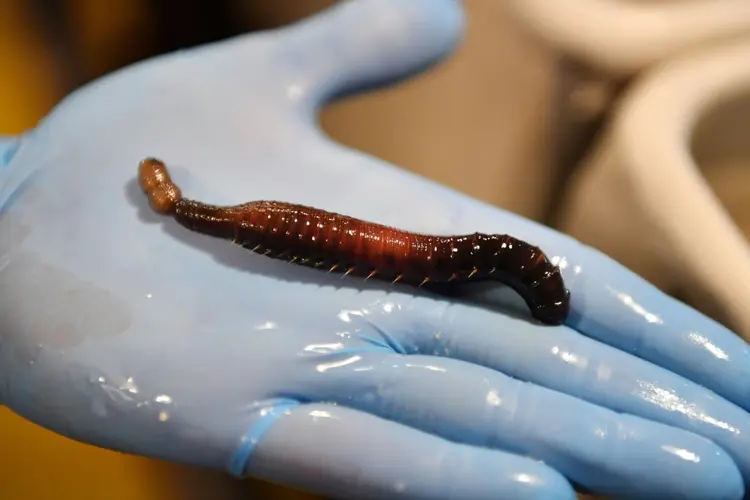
(122,329)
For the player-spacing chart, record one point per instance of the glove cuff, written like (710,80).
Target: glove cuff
(8,147)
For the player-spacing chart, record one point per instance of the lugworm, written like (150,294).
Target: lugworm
(334,242)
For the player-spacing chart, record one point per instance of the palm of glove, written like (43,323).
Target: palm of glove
(122,329)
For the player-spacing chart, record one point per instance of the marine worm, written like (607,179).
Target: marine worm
(338,243)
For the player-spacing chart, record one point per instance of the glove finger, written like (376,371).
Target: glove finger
(592,446)
(343,453)
(359,44)
(625,311)
(564,360)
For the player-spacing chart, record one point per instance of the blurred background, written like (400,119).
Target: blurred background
(516,118)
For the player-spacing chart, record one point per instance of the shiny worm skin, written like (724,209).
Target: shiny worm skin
(312,237)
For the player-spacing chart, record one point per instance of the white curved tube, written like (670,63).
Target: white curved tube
(622,37)
(641,191)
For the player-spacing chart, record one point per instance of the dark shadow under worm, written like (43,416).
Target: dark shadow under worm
(339,243)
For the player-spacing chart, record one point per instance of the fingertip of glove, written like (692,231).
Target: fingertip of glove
(360,44)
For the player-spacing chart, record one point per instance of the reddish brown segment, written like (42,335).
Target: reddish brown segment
(312,237)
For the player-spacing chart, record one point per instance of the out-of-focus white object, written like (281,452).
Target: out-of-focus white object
(664,190)
(622,37)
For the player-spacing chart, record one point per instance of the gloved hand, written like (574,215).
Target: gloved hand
(122,329)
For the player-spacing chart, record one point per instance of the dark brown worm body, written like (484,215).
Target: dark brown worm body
(334,242)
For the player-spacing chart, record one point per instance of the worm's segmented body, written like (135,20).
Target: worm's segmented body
(339,243)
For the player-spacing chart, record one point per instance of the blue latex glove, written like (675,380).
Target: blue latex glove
(122,329)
